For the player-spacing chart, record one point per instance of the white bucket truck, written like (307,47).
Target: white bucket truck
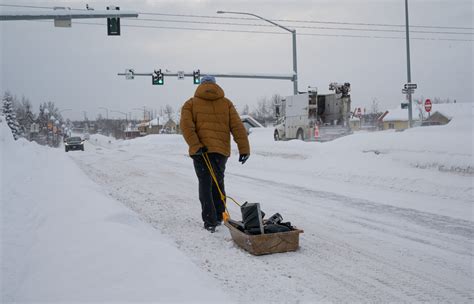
(312,116)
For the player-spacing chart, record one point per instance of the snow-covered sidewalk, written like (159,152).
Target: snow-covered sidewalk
(63,239)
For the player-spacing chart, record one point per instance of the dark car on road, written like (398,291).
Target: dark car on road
(74,143)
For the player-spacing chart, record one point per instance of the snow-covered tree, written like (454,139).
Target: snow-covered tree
(169,111)
(24,114)
(10,115)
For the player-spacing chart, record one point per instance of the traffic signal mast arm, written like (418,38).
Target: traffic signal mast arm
(222,75)
(65,13)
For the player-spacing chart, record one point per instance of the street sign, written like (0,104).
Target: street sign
(428,105)
(63,22)
(180,74)
(408,91)
(129,74)
(410,86)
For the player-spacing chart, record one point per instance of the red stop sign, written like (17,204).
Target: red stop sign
(428,105)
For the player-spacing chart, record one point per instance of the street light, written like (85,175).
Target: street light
(126,115)
(106,112)
(64,110)
(145,111)
(293,33)
(106,119)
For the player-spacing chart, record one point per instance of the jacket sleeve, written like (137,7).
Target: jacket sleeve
(188,127)
(238,131)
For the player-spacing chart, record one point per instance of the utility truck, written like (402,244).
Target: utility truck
(314,117)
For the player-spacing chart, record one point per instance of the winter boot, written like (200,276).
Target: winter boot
(210,228)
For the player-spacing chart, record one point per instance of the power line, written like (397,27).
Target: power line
(270,32)
(309,21)
(305,27)
(281,20)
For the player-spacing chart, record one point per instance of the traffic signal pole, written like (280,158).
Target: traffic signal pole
(410,111)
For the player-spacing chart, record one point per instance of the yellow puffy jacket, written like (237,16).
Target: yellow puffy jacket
(208,118)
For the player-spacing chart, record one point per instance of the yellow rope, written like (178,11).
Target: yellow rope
(225,214)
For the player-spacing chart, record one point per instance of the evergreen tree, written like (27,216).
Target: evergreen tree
(10,115)
(24,114)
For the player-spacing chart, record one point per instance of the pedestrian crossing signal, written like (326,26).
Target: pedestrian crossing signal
(197,77)
(158,78)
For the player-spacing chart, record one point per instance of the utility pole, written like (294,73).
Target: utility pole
(410,111)
(144,111)
(106,112)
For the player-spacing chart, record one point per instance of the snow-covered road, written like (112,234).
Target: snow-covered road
(383,229)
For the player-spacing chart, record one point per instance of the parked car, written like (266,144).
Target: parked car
(74,143)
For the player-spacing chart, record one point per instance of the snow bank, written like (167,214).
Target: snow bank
(104,141)
(64,240)
(445,148)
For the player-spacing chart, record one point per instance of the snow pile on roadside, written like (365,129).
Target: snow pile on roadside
(64,240)
(103,141)
(444,148)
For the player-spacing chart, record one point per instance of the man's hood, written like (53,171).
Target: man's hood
(209,91)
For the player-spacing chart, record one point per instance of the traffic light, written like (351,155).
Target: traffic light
(404,105)
(197,77)
(113,24)
(157,78)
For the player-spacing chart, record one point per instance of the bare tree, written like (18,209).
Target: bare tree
(374,107)
(169,111)
(245,110)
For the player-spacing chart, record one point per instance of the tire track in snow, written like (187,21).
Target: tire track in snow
(442,224)
(324,269)
(462,244)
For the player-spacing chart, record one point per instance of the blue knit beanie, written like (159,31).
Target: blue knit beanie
(208,78)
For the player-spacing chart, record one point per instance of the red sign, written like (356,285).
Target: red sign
(316,132)
(428,105)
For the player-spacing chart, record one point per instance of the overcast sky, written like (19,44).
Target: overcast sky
(77,67)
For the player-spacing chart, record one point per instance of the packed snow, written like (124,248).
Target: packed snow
(387,217)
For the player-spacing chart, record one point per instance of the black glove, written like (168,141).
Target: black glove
(243,158)
(201,151)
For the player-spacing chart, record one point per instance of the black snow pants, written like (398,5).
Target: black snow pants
(211,203)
